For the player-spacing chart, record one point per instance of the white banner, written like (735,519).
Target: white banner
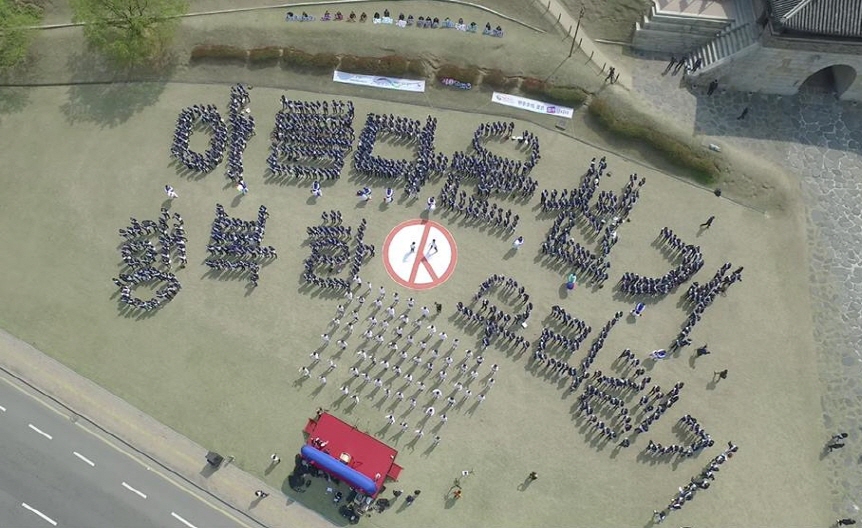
(532,105)
(391,83)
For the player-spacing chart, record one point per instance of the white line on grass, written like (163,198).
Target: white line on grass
(41,432)
(177,517)
(40,514)
(133,490)
(85,459)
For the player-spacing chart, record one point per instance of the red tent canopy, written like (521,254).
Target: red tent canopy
(357,450)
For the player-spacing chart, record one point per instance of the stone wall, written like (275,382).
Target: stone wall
(782,71)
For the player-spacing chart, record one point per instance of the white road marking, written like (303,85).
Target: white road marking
(85,459)
(133,490)
(40,514)
(2,408)
(41,432)
(177,517)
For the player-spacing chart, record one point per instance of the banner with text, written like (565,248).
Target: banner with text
(391,83)
(532,105)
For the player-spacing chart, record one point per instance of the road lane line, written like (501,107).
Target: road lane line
(85,459)
(2,408)
(133,490)
(41,432)
(177,517)
(40,514)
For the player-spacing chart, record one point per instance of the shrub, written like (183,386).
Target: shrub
(464,75)
(678,152)
(532,86)
(415,68)
(392,65)
(324,61)
(499,81)
(559,95)
(217,52)
(564,95)
(300,60)
(354,64)
(269,54)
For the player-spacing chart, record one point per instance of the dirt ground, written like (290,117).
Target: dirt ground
(613,20)
(220,363)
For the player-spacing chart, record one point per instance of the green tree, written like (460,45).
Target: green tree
(129,31)
(15,17)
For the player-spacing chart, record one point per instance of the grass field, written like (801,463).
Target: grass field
(220,363)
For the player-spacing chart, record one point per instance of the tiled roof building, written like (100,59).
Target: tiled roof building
(828,18)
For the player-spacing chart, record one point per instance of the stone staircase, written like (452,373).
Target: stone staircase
(741,37)
(672,31)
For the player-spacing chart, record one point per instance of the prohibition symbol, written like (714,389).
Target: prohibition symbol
(419,254)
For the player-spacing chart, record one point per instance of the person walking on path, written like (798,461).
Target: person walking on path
(261,494)
(171,192)
(532,476)
(713,85)
(743,115)
(702,351)
(708,223)
(720,374)
(834,445)
(670,64)
(845,522)
(274,458)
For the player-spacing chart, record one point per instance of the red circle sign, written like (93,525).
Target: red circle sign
(419,254)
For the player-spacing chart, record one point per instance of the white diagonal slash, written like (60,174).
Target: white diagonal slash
(177,517)
(40,514)
(85,459)
(41,432)
(133,490)
(2,408)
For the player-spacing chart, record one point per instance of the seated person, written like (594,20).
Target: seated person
(290,16)
(447,23)
(436,23)
(351,17)
(326,16)
(473,27)
(306,16)
(499,31)
(363,17)
(376,19)
(400,16)
(409,20)
(385,13)
(339,16)
(420,22)
(487,28)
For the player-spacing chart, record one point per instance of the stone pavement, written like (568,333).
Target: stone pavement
(227,489)
(819,139)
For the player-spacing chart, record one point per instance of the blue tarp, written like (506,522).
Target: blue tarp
(335,467)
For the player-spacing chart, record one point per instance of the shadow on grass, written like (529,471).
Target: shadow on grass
(13,99)
(111,102)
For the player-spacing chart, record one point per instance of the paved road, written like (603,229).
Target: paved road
(56,473)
